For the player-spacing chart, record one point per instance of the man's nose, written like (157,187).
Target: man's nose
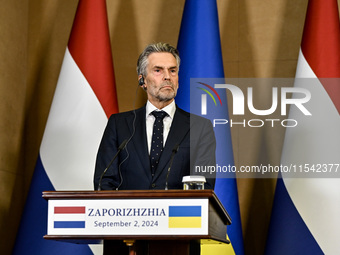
(166,75)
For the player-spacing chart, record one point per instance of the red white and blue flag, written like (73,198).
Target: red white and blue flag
(84,98)
(69,217)
(305,217)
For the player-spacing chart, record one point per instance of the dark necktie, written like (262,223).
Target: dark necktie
(157,139)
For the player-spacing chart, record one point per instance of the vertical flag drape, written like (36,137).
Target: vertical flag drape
(305,210)
(85,96)
(201,57)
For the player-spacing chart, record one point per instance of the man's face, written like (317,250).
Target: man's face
(161,81)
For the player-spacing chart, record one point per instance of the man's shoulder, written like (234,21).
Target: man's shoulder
(182,112)
(128,114)
(193,117)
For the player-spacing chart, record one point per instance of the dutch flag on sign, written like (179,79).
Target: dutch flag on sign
(69,216)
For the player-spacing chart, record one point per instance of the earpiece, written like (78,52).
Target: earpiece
(141,81)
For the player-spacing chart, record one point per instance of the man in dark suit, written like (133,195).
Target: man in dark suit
(188,138)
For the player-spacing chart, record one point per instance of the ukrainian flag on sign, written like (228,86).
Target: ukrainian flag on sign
(185,217)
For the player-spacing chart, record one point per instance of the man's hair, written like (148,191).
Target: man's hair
(152,48)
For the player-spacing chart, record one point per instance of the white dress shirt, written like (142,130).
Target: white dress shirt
(150,119)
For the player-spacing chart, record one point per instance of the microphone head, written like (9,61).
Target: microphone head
(175,149)
(122,145)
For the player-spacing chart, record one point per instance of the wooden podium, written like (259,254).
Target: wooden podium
(145,221)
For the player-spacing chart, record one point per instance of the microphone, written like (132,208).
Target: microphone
(174,151)
(120,148)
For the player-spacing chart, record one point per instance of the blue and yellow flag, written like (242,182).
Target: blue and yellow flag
(185,217)
(201,57)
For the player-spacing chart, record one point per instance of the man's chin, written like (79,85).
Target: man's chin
(167,97)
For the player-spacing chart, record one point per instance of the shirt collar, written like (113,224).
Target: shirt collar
(169,109)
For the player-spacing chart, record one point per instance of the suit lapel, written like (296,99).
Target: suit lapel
(139,139)
(179,129)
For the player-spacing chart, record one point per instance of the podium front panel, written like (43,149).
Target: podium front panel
(128,217)
(91,216)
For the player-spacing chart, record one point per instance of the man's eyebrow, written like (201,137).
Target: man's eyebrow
(163,67)
(159,67)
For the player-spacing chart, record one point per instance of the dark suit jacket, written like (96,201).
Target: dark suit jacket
(131,169)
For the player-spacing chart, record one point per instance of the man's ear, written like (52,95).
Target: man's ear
(141,81)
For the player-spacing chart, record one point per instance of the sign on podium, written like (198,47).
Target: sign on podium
(92,216)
